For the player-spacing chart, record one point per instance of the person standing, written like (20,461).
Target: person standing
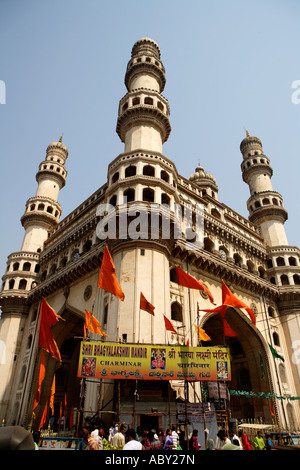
(259,443)
(193,444)
(130,441)
(90,442)
(269,443)
(118,439)
(175,437)
(169,444)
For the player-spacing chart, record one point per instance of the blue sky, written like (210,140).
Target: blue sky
(229,65)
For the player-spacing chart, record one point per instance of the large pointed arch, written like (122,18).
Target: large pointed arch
(249,362)
(67,334)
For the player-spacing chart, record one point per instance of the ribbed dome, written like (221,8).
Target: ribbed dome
(145,46)
(200,176)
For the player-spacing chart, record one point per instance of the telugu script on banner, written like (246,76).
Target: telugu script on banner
(153,362)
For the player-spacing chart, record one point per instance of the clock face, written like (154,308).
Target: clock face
(223,254)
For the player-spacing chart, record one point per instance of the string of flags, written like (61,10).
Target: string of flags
(250,394)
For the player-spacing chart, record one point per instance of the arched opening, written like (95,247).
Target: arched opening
(176,312)
(26,266)
(148,195)
(164,176)
(173,275)
(129,194)
(165,199)
(149,170)
(22,284)
(238,260)
(247,372)
(67,335)
(130,171)
(208,245)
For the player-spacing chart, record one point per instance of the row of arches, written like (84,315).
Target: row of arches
(147,170)
(73,255)
(285,280)
(255,161)
(148,195)
(52,168)
(27,267)
(265,202)
(281,261)
(146,100)
(42,207)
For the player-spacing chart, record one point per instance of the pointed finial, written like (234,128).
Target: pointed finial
(247,133)
(60,139)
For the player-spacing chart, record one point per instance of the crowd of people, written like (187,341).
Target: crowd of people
(120,438)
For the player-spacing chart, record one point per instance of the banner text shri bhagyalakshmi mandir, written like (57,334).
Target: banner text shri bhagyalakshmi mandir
(153,362)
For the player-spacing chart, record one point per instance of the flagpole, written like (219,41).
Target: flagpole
(201,388)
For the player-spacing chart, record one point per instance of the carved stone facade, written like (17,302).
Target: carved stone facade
(60,261)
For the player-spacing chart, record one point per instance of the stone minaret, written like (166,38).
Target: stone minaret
(141,175)
(265,205)
(41,215)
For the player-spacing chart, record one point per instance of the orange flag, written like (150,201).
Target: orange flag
(169,325)
(107,277)
(41,378)
(43,419)
(92,324)
(187,280)
(145,305)
(201,334)
(65,407)
(48,318)
(228,331)
(231,301)
(51,401)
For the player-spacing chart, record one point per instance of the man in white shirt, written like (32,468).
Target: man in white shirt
(130,441)
(175,437)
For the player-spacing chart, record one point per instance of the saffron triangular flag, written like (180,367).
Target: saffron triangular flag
(51,400)
(169,325)
(48,318)
(228,331)
(186,280)
(107,277)
(145,305)
(92,324)
(44,416)
(41,378)
(232,301)
(201,334)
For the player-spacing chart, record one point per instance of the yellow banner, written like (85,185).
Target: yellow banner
(153,362)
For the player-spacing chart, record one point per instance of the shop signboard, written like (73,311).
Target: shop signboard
(153,362)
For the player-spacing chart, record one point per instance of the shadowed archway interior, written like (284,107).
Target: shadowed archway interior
(247,374)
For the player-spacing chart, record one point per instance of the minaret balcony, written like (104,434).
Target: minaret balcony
(52,170)
(255,164)
(145,65)
(146,107)
(266,205)
(41,209)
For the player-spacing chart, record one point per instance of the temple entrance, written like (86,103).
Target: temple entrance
(247,373)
